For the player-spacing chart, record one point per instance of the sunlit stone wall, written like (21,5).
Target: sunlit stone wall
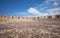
(3,18)
(22,19)
(12,19)
(27,19)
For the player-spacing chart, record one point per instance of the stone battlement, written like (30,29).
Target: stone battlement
(27,19)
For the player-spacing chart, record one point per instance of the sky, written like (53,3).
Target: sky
(29,8)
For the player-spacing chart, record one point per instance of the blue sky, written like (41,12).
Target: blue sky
(29,7)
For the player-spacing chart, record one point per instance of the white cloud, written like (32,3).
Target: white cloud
(33,10)
(55,4)
(54,11)
(36,12)
(46,5)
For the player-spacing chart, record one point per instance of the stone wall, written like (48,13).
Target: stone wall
(27,19)
(3,18)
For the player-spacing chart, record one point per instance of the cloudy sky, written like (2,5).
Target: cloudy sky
(29,7)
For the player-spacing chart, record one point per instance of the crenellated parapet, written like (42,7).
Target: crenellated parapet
(57,17)
(28,19)
(3,18)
